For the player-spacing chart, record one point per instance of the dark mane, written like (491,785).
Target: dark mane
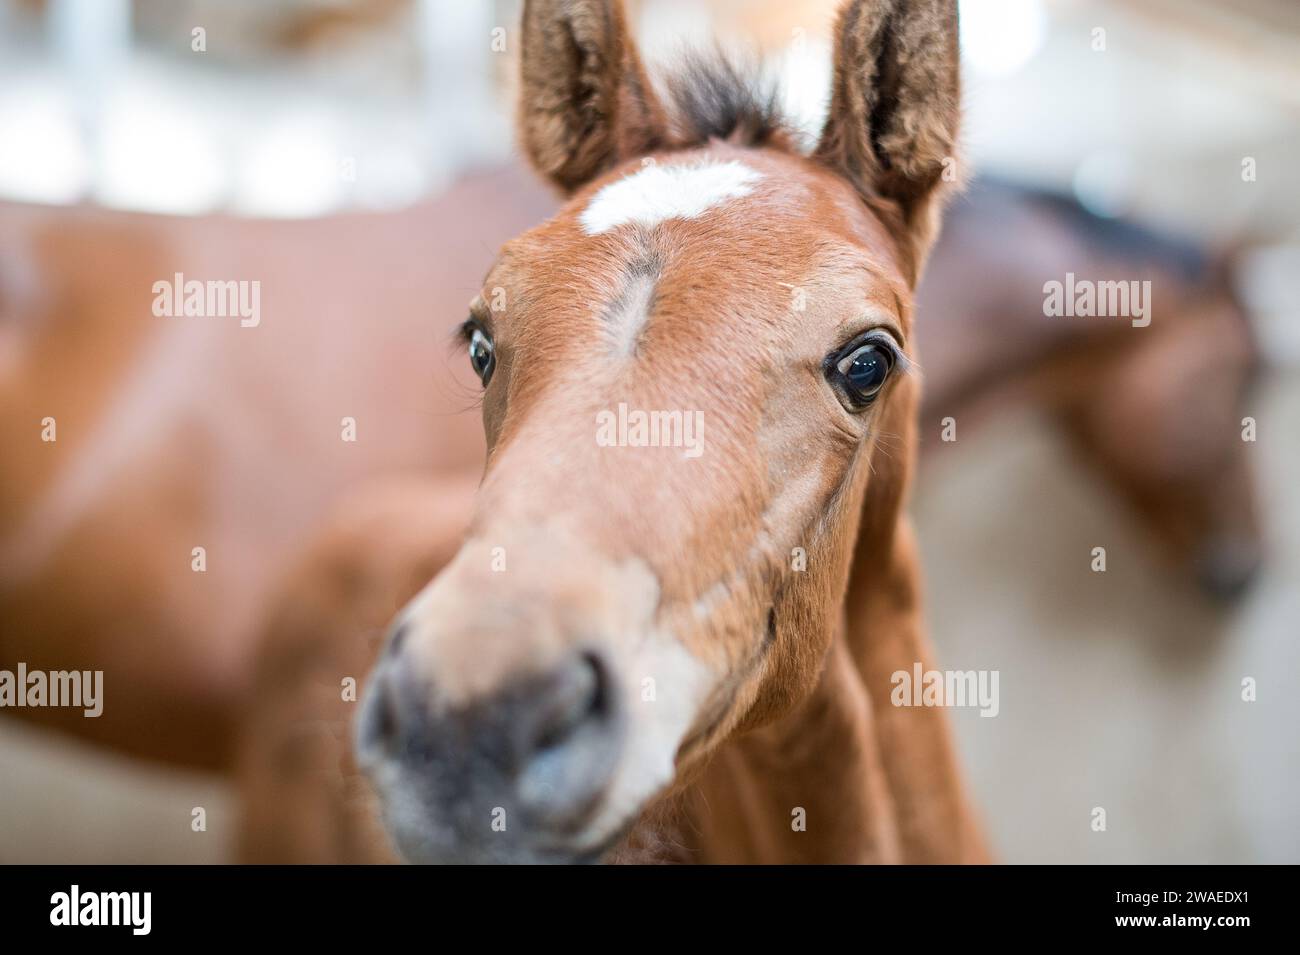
(711,97)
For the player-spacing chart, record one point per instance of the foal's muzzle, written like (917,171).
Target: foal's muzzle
(513,777)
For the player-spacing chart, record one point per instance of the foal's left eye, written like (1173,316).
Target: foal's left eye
(481,354)
(863,371)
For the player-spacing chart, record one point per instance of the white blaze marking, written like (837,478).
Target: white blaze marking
(658,192)
(628,317)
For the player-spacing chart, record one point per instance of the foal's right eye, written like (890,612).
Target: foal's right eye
(481,354)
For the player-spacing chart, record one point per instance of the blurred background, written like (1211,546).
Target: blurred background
(337,137)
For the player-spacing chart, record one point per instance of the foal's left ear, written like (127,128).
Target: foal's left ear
(585,102)
(896,108)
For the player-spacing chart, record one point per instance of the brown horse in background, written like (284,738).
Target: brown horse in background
(1155,410)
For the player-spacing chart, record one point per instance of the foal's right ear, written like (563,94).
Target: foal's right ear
(585,102)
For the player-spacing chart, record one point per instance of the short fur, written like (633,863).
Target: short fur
(614,553)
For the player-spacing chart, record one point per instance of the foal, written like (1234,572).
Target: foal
(667,652)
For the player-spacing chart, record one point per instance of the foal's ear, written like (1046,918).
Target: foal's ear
(585,102)
(896,107)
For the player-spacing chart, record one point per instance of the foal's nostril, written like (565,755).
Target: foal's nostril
(579,697)
(575,741)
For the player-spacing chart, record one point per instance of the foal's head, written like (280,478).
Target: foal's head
(690,377)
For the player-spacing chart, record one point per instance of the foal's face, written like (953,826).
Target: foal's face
(685,375)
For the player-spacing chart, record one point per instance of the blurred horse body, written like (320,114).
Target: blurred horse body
(1154,411)
(185,432)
